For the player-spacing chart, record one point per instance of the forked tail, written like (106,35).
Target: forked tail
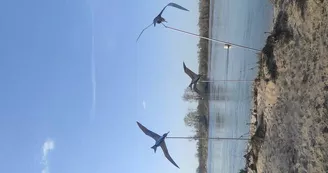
(154,147)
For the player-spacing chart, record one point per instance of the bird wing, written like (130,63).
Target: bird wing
(173,5)
(167,155)
(190,73)
(198,91)
(155,136)
(143,31)
(177,6)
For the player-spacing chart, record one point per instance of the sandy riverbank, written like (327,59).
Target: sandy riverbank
(291,92)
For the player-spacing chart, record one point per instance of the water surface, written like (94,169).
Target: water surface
(240,22)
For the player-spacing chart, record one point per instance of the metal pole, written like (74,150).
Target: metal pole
(177,137)
(227,80)
(211,39)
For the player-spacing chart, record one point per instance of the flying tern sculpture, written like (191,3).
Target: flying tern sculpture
(159,142)
(194,77)
(159,19)
(201,94)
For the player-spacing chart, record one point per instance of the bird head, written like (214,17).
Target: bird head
(161,20)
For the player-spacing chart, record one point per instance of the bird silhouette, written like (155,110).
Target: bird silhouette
(159,142)
(200,94)
(159,19)
(194,77)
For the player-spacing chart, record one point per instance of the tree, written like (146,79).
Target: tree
(190,96)
(198,170)
(242,171)
(192,119)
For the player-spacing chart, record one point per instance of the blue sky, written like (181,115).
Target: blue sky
(48,122)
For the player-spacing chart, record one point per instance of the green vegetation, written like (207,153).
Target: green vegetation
(242,171)
(198,119)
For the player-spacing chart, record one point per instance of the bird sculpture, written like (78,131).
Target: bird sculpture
(159,141)
(194,77)
(159,19)
(200,94)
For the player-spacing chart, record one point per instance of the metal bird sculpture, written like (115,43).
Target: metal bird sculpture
(159,19)
(200,94)
(159,142)
(194,77)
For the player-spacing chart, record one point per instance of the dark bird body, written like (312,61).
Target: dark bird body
(159,19)
(160,141)
(194,77)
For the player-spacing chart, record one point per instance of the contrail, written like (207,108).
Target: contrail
(93,81)
(93,70)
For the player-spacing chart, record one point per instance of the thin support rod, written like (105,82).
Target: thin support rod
(227,80)
(211,39)
(176,137)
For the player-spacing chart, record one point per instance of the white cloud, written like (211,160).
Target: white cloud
(144,104)
(48,146)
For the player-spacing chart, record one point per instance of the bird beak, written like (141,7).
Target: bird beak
(168,132)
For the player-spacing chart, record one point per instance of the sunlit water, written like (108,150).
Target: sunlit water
(240,22)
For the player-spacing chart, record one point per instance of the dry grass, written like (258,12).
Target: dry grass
(292,92)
